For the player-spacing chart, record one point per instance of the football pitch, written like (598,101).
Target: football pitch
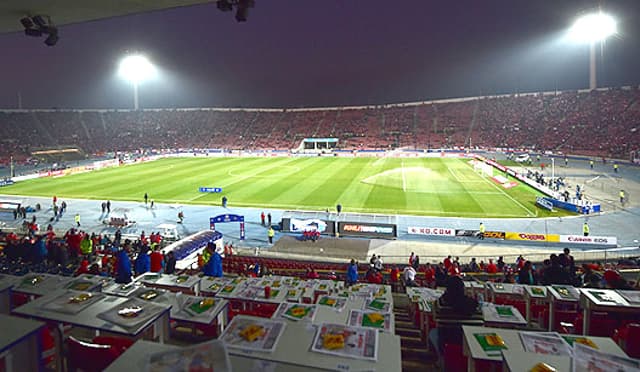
(414,186)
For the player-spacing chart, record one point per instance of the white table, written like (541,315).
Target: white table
(294,347)
(604,344)
(120,289)
(48,284)
(6,283)
(505,290)
(534,294)
(492,317)
(20,344)
(216,316)
(135,358)
(171,282)
(564,296)
(88,318)
(607,300)
(522,361)
(473,350)
(86,282)
(210,286)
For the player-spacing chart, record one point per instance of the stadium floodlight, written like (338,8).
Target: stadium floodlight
(593,28)
(136,69)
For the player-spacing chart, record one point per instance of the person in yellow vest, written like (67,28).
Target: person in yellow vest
(615,168)
(591,164)
(77,219)
(482,230)
(86,246)
(585,229)
(622,197)
(270,234)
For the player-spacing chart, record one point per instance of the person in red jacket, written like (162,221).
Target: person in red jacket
(430,275)
(312,274)
(156,261)
(491,267)
(454,270)
(447,263)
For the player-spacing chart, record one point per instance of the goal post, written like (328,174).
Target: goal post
(482,168)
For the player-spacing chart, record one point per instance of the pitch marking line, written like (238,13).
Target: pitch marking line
(529,212)
(404,180)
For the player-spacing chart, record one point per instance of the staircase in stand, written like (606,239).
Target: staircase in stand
(415,356)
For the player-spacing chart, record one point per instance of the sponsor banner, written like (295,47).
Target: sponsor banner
(531,237)
(494,235)
(364,229)
(544,203)
(296,225)
(596,240)
(210,189)
(467,232)
(431,231)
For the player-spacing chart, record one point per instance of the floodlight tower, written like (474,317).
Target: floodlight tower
(593,28)
(135,69)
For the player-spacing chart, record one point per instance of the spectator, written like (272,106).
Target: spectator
(123,266)
(394,278)
(554,274)
(429,275)
(377,264)
(352,273)
(473,266)
(526,274)
(491,267)
(450,311)
(416,263)
(170,264)
(143,262)
(214,266)
(157,261)
(312,274)
(409,276)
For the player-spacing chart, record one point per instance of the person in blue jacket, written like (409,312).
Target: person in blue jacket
(214,266)
(352,273)
(143,261)
(123,269)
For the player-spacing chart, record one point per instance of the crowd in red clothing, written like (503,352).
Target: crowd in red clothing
(601,122)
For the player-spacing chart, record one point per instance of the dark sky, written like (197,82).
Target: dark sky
(294,53)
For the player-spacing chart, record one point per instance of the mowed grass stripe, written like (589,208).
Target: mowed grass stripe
(388,197)
(233,177)
(317,185)
(349,190)
(302,183)
(269,183)
(473,201)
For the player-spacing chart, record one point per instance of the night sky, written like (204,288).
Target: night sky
(305,53)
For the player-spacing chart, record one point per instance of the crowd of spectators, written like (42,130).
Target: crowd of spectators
(601,122)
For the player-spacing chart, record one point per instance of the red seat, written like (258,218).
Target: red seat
(89,357)
(121,344)
(454,361)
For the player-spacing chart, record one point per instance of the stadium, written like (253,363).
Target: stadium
(290,199)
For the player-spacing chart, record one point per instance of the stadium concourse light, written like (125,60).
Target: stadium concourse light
(136,69)
(593,28)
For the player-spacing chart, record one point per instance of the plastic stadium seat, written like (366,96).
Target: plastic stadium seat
(454,360)
(121,344)
(89,357)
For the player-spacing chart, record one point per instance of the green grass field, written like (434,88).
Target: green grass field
(417,186)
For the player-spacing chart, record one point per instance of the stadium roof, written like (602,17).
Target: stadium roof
(63,12)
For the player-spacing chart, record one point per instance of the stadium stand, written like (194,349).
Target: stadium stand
(602,122)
